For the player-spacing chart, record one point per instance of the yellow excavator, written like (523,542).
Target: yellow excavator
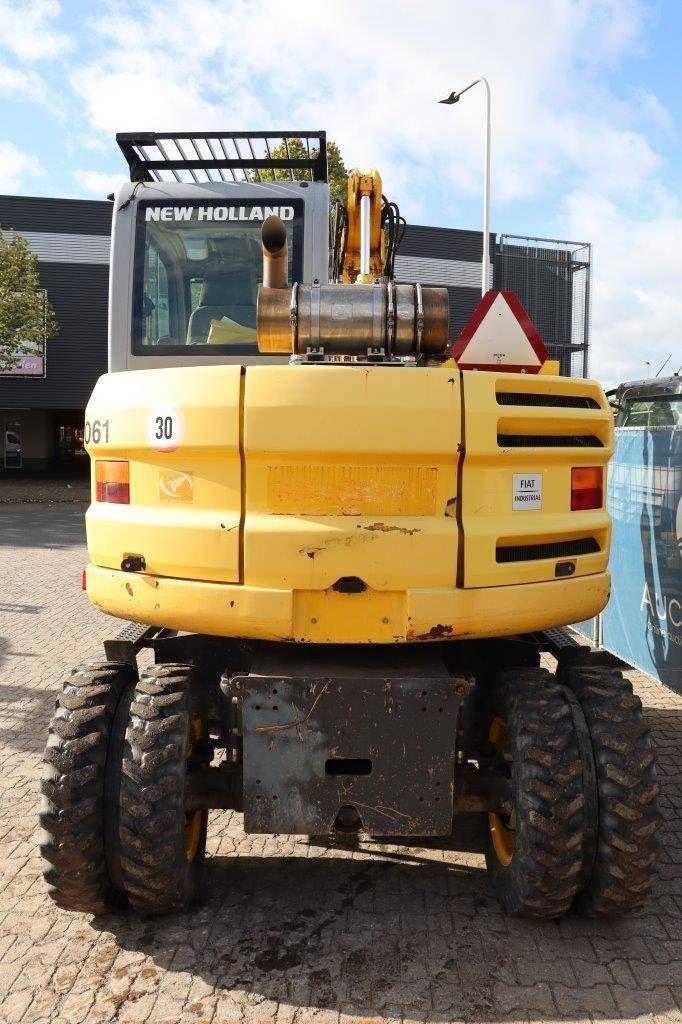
(346,550)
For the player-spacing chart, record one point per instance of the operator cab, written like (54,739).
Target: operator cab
(186,259)
(649,403)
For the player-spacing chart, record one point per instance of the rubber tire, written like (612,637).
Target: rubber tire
(72,813)
(157,874)
(629,819)
(542,877)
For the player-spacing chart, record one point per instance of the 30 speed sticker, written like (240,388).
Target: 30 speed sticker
(165,427)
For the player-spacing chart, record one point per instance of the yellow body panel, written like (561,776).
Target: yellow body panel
(488,517)
(185,505)
(321,440)
(275,482)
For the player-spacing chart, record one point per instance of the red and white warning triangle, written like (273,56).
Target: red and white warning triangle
(500,336)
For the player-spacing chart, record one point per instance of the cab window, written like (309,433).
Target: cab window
(663,411)
(198,266)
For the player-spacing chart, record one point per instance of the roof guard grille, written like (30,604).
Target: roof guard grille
(548,441)
(549,401)
(223,156)
(557,549)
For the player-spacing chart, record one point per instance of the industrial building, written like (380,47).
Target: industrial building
(41,411)
(42,401)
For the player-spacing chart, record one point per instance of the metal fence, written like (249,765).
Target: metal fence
(552,279)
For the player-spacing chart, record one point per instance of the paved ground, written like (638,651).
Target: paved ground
(55,487)
(290,932)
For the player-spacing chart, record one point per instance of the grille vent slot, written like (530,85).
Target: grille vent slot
(548,441)
(557,549)
(548,401)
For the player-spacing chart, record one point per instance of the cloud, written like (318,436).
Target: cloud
(209,64)
(99,183)
(654,111)
(637,312)
(29,87)
(29,30)
(21,84)
(15,167)
(558,118)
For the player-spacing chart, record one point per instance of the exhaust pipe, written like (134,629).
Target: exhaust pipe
(274,239)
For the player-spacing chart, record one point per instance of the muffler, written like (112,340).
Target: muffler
(274,241)
(379,320)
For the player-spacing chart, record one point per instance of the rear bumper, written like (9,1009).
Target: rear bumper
(309,616)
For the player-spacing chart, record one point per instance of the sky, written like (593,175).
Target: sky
(586,117)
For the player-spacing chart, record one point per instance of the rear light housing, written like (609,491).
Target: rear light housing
(587,488)
(112,481)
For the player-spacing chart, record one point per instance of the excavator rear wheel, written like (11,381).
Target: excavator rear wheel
(74,808)
(627,793)
(162,846)
(535,850)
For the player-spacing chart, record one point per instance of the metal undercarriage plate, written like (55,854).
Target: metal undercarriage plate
(381,743)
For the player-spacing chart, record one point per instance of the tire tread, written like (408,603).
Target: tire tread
(542,879)
(629,818)
(158,878)
(72,787)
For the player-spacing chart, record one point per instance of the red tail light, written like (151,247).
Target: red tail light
(112,482)
(587,488)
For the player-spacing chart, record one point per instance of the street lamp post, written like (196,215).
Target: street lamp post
(449,100)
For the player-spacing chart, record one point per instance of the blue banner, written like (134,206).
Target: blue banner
(642,623)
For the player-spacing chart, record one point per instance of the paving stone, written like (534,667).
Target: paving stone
(587,1002)
(551,971)
(650,975)
(633,1002)
(15,1005)
(523,998)
(622,973)
(76,1007)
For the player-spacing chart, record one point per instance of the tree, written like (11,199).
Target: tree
(337,173)
(26,316)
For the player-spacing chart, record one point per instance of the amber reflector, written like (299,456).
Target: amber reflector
(112,482)
(586,488)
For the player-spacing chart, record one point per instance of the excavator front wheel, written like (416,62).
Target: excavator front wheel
(162,845)
(624,854)
(75,806)
(534,850)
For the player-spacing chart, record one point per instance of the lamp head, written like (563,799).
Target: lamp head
(452,98)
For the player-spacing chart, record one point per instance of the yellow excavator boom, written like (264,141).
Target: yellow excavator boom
(363,188)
